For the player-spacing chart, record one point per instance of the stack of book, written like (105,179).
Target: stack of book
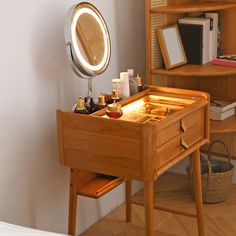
(222,108)
(225,60)
(200,37)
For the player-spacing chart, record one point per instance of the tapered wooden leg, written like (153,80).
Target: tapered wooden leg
(198,191)
(72,203)
(128,190)
(149,208)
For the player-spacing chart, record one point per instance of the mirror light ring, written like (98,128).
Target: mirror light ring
(75,44)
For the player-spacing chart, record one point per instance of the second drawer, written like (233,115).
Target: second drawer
(178,144)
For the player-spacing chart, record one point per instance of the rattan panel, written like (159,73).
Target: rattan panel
(157,21)
(228,139)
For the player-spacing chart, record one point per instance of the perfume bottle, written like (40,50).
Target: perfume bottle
(114,110)
(115,97)
(86,103)
(116,84)
(101,102)
(92,106)
(139,83)
(80,107)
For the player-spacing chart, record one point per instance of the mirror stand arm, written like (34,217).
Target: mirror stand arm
(90,87)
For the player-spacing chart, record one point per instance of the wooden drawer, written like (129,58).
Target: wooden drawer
(179,144)
(180,126)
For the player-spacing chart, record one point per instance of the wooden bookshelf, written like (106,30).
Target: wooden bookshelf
(207,70)
(218,81)
(222,127)
(194,7)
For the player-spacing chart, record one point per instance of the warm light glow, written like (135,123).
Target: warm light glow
(133,105)
(74,39)
(174,99)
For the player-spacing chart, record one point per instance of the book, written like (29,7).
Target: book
(211,40)
(206,33)
(213,34)
(224,62)
(222,115)
(222,104)
(192,38)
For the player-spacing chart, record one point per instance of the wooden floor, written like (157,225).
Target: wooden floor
(220,219)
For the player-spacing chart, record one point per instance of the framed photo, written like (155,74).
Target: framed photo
(171,46)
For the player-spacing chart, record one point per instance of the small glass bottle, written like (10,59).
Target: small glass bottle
(116,84)
(115,97)
(92,106)
(107,97)
(80,108)
(139,83)
(133,88)
(86,103)
(101,102)
(114,110)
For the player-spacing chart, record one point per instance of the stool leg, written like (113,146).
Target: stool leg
(198,191)
(128,190)
(72,202)
(149,208)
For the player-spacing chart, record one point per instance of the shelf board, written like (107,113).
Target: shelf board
(189,70)
(222,127)
(194,7)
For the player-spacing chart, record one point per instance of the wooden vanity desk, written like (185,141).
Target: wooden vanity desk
(144,143)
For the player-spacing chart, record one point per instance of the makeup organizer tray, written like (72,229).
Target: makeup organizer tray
(153,109)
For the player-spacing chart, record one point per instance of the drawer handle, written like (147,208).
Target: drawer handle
(184,144)
(183,127)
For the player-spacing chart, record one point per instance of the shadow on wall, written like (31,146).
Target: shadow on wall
(130,25)
(48,44)
(49,53)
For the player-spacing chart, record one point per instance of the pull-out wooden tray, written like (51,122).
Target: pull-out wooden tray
(99,185)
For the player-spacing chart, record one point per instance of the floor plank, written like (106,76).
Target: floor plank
(171,190)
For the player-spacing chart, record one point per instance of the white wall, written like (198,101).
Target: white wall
(35,81)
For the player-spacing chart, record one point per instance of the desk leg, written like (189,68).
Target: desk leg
(149,208)
(198,191)
(73,202)
(128,190)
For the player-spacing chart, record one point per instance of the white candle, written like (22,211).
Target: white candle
(124,77)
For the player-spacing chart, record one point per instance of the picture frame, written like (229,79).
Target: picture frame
(171,46)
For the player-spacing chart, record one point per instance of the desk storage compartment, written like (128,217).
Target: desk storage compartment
(96,185)
(145,139)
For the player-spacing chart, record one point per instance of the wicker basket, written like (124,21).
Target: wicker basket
(216,177)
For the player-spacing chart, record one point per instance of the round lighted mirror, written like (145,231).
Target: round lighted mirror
(87,40)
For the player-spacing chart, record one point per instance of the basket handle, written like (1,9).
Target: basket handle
(208,165)
(223,144)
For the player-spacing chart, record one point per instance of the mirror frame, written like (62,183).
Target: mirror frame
(79,65)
